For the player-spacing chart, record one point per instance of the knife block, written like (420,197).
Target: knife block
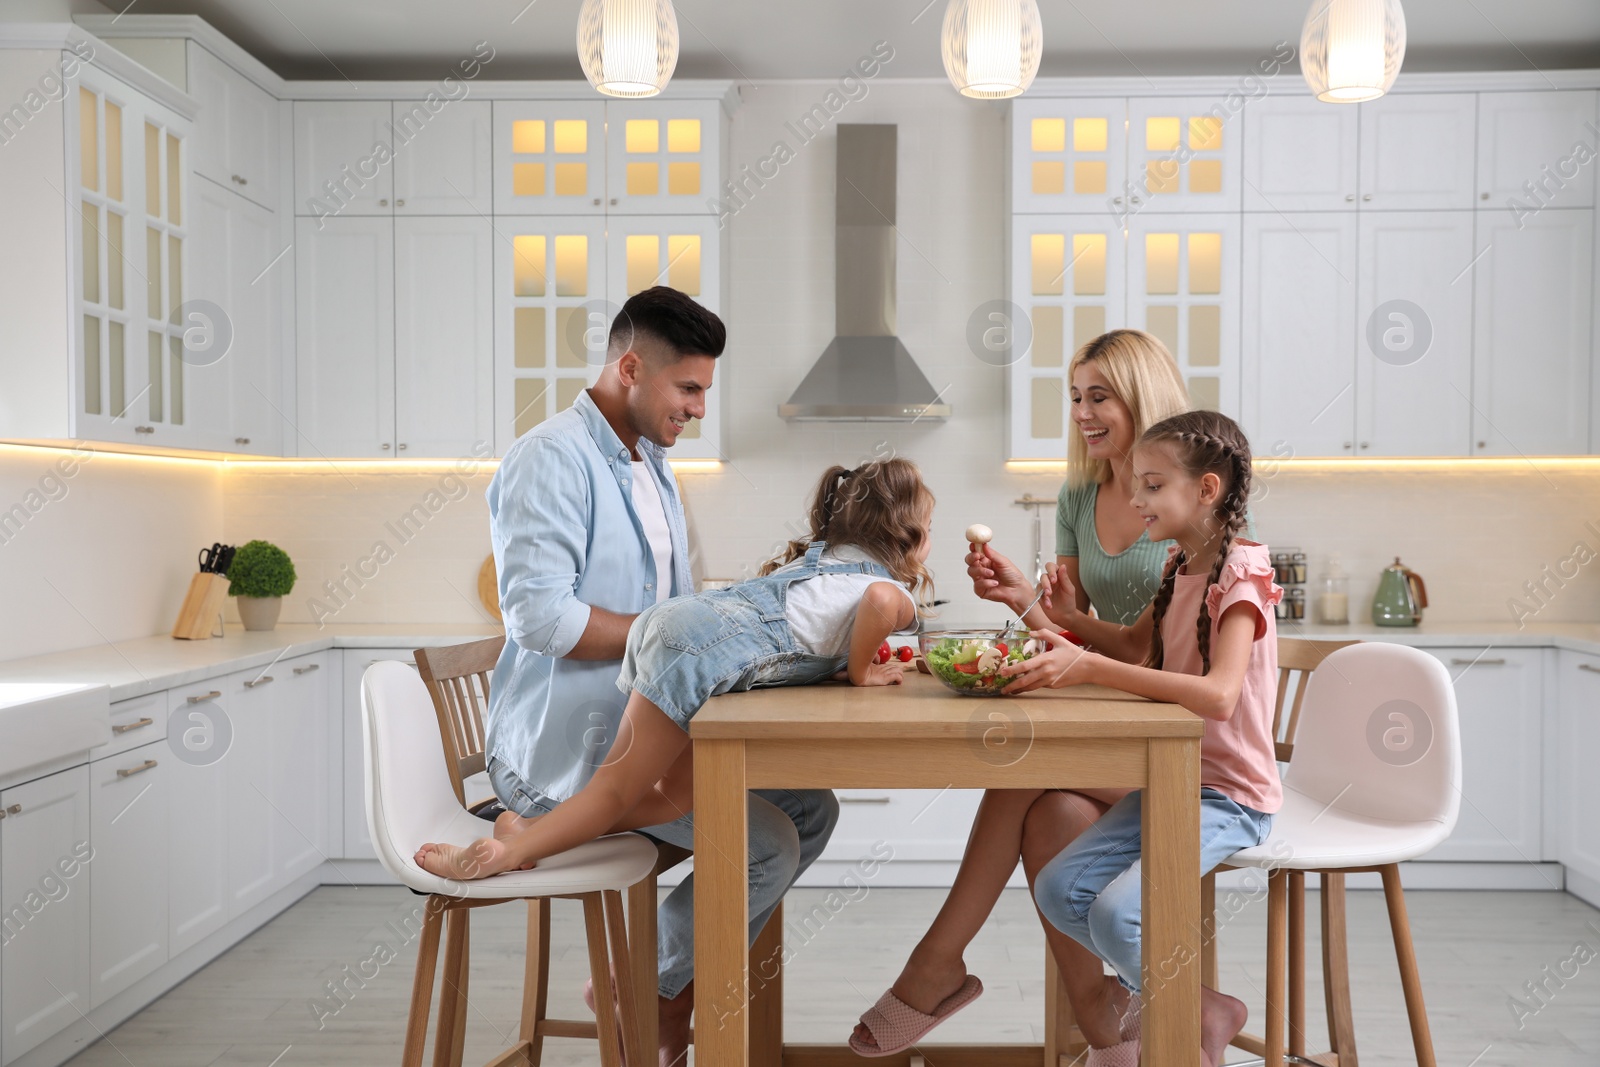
(201,607)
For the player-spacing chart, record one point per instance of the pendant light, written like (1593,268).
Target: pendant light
(991,47)
(628,47)
(1351,50)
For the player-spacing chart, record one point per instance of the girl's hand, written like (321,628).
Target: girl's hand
(998,579)
(891,673)
(1063,665)
(1060,596)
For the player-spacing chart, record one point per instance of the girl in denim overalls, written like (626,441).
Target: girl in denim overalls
(820,611)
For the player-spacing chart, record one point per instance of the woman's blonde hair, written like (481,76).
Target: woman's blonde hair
(1144,376)
(882,508)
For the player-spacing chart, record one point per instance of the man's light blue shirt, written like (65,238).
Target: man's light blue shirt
(567,538)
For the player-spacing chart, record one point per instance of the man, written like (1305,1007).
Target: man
(588,531)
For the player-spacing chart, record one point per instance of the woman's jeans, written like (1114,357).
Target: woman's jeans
(788,830)
(1092,891)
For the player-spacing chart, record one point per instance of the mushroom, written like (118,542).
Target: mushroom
(989,661)
(979,534)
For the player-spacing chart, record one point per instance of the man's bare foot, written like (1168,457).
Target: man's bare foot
(925,982)
(480,859)
(1221,1018)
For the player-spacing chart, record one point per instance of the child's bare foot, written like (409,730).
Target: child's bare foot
(924,984)
(482,858)
(1221,1019)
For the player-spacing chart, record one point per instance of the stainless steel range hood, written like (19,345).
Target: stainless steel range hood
(865,373)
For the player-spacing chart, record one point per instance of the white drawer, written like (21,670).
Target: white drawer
(133,723)
(918,824)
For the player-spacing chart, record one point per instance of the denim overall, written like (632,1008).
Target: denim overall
(684,651)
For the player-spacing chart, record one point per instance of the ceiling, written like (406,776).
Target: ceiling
(753,40)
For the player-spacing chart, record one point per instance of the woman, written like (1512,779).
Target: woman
(1122,382)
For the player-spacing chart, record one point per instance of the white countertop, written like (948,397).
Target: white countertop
(150,664)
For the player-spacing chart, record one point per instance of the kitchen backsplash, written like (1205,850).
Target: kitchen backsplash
(107,557)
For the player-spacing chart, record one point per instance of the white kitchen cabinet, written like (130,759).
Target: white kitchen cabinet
(684,252)
(1069,154)
(134,722)
(344,328)
(200,830)
(1414,322)
(1578,722)
(442,163)
(357,840)
(663,156)
(549,157)
(1068,276)
(1183,287)
(1418,151)
(904,827)
(343,158)
(129,806)
(1498,699)
(241,268)
(443,336)
(45,858)
(298,772)
(1299,335)
(1183,155)
(1299,155)
(248,785)
(1533,345)
(1526,160)
(236,136)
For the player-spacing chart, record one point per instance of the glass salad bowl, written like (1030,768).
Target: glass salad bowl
(969,661)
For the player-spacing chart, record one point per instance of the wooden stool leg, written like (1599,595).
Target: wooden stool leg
(642,957)
(1336,971)
(1208,930)
(1277,963)
(1297,962)
(422,982)
(1063,1044)
(1405,954)
(535,981)
(622,968)
(452,991)
(766,993)
(594,924)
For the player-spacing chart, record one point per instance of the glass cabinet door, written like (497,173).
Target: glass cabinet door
(549,157)
(552,318)
(1183,155)
(1067,283)
(662,157)
(1183,287)
(165,174)
(683,252)
(1069,155)
(109,270)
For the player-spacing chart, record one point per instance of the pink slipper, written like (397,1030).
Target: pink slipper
(1123,1054)
(896,1026)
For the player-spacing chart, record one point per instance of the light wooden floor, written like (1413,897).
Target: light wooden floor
(258,1004)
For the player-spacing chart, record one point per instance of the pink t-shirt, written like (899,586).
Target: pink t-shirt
(1237,757)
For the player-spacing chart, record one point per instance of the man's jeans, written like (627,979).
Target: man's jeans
(789,828)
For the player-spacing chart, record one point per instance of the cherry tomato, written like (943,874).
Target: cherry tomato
(967,668)
(1000,646)
(884,653)
(906,655)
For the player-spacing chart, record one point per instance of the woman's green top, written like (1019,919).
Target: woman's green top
(1120,586)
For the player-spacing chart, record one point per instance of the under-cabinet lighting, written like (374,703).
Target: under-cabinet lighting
(1334,464)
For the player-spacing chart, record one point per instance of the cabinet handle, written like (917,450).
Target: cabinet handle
(384,202)
(386,446)
(1365,444)
(399,203)
(1116,199)
(1483,444)
(203,697)
(263,680)
(1348,197)
(1347,444)
(129,772)
(1136,200)
(1483,196)
(1589,667)
(15,809)
(241,440)
(402,446)
(597,201)
(1368,196)
(1457,661)
(863,800)
(144,429)
(239,181)
(125,727)
(308,669)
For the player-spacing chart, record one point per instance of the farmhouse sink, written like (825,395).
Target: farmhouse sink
(44,721)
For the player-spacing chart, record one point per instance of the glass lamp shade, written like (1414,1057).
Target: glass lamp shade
(628,47)
(1351,50)
(991,47)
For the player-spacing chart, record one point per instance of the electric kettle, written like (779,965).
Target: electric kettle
(1400,598)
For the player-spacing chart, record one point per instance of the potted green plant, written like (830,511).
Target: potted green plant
(261,575)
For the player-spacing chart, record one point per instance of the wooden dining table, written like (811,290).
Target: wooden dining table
(920,735)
